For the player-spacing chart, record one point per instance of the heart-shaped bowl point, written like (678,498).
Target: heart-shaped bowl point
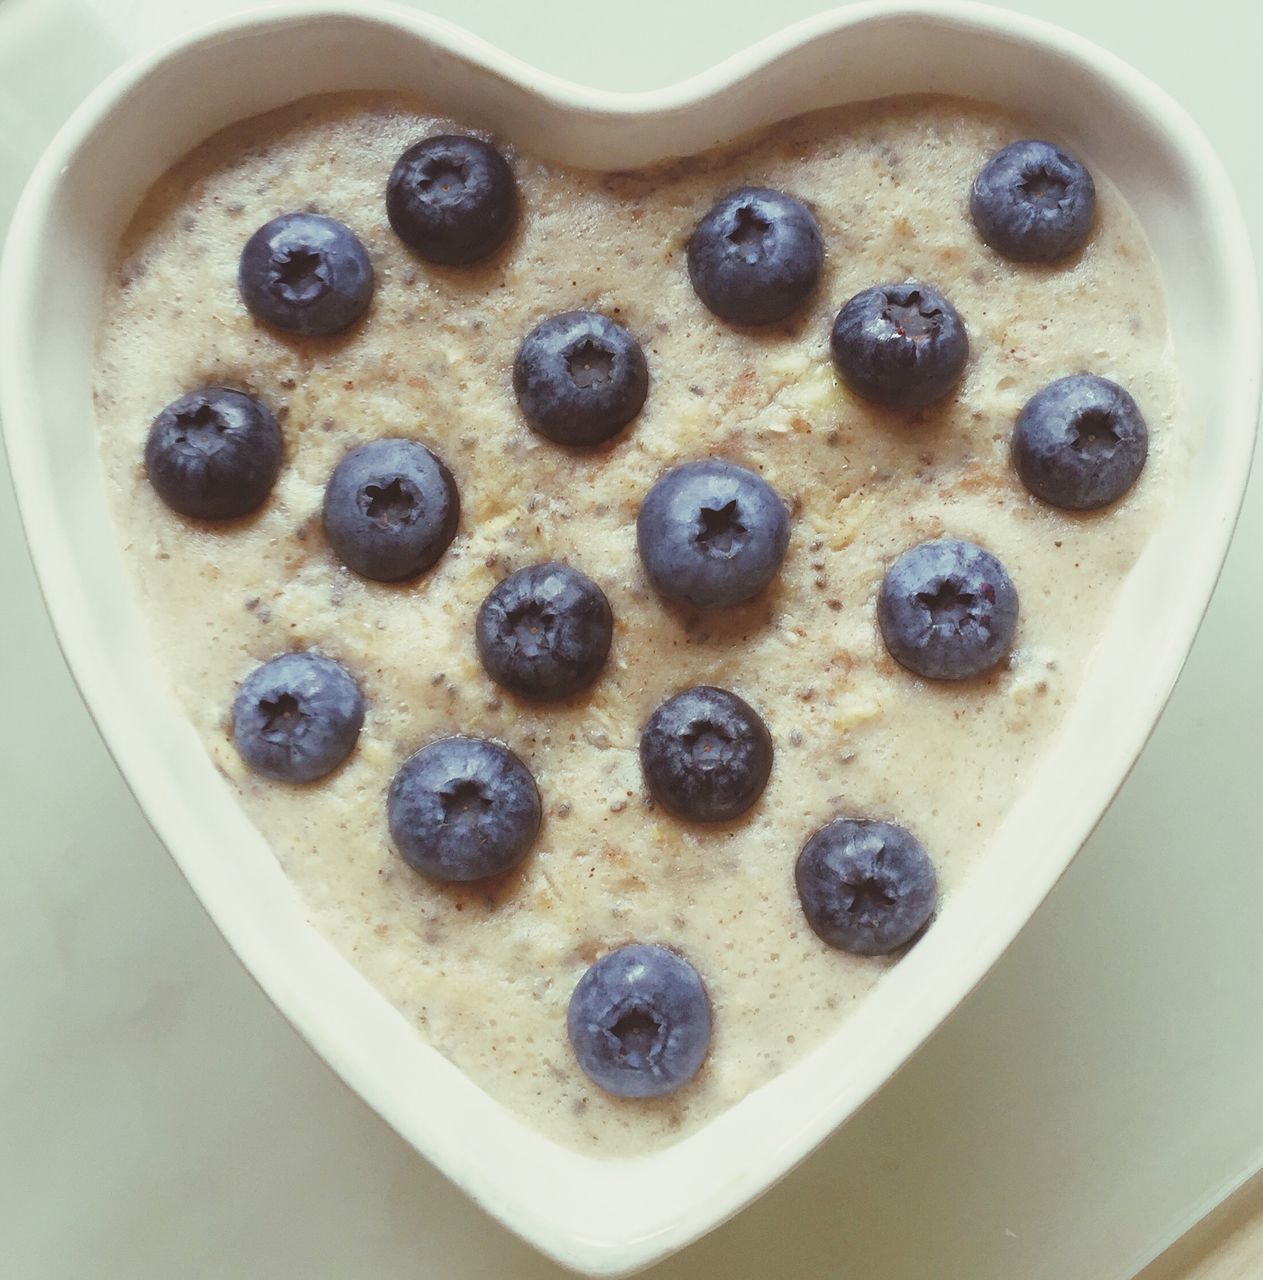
(610,1216)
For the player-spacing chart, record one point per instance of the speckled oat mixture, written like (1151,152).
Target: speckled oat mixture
(485,971)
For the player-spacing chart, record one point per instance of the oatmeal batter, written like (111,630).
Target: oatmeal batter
(485,971)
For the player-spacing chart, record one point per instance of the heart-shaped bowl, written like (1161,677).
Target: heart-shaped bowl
(611,1216)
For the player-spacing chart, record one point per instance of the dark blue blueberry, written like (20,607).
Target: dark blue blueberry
(390,509)
(865,887)
(712,534)
(901,345)
(947,610)
(452,198)
(463,809)
(297,717)
(544,632)
(1033,202)
(756,256)
(1080,443)
(305,274)
(580,378)
(639,1022)
(213,454)
(706,755)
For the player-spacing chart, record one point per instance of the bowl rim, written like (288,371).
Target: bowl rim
(19,284)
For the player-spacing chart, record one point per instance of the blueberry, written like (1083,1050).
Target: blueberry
(213,454)
(580,378)
(305,274)
(390,509)
(297,717)
(639,1022)
(544,632)
(706,755)
(1033,202)
(1080,443)
(756,256)
(901,345)
(452,198)
(947,610)
(865,887)
(712,534)
(462,809)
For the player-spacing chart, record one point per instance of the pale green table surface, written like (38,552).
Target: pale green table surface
(159,1119)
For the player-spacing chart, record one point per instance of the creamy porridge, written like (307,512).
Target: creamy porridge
(485,970)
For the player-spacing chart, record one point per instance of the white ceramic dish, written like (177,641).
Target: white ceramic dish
(609,1217)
